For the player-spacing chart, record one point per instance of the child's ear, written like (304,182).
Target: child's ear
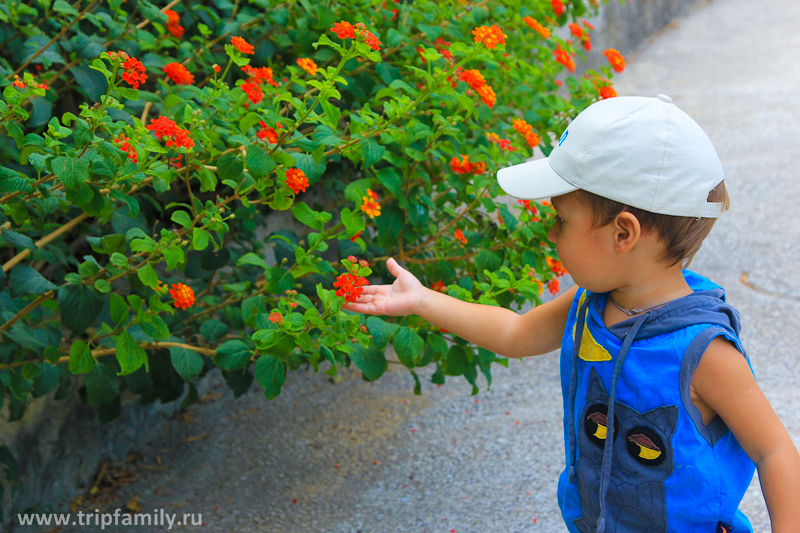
(627,231)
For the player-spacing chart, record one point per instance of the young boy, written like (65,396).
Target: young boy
(651,361)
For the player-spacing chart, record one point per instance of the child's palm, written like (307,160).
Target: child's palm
(398,299)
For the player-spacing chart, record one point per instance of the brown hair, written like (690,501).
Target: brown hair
(683,236)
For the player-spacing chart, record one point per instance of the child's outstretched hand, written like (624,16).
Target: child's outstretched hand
(398,299)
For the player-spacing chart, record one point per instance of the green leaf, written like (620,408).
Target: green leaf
(47,381)
(371,152)
(251,259)
(187,363)
(80,358)
(213,330)
(390,179)
(408,345)
(18,239)
(182,218)
(370,361)
(200,238)
(102,286)
(233,355)
(230,167)
(119,260)
(259,164)
(270,375)
(129,354)
(148,276)
(307,216)
(78,306)
(352,223)
(381,331)
(25,280)
(101,385)
(130,94)
(119,309)
(487,259)
(93,83)
(71,171)
(155,328)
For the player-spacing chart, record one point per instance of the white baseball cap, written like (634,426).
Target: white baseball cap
(642,152)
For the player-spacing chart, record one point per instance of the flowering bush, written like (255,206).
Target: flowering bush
(144,147)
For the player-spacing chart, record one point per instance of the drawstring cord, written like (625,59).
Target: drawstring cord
(609,442)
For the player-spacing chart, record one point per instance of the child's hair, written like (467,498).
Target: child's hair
(683,236)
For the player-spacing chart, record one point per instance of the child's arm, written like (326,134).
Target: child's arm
(497,329)
(724,382)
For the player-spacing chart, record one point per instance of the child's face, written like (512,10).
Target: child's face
(587,253)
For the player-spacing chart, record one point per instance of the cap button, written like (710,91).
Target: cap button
(664,97)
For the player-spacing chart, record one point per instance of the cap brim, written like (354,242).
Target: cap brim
(533,180)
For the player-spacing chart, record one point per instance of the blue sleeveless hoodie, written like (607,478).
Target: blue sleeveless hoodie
(666,471)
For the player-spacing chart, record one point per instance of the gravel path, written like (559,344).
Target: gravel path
(374,458)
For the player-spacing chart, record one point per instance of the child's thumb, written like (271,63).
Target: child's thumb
(393,266)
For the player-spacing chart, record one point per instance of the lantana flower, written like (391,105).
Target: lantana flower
(616,59)
(174,23)
(583,35)
(133,70)
(526,130)
(490,36)
(350,284)
(124,144)
(476,81)
(183,295)
(296,180)
(504,144)
(555,266)
(242,45)
(563,57)
(345,30)
(370,204)
(308,65)
(534,25)
(607,92)
(18,83)
(176,136)
(178,73)
(459,235)
(558,7)
(257,76)
(275,317)
(465,167)
(554,286)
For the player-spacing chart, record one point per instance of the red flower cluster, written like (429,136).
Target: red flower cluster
(583,35)
(296,180)
(504,144)
(563,57)
(124,144)
(175,135)
(527,130)
(490,36)
(530,207)
(356,236)
(350,283)
(257,76)
(534,25)
(465,167)
(616,59)
(178,73)
(275,317)
(439,286)
(558,7)
(475,79)
(174,23)
(175,162)
(242,45)
(442,47)
(396,12)
(18,83)
(134,71)
(183,295)
(345,30)
(268,133)
(459,235)
(554,286)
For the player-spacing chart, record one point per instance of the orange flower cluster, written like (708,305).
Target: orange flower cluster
(554,286)
(555,265)
(308,65)
(459,235)
(563,57)
(257,76)
(396,12)
(174,23)
(18,82)
(465,167)
(534,25)
(490,36)
(350,284)
(124,144)
(134,71)
(175,162)
(527,130)
(276,317)
(558,7)
(242,45)
(442,47)
(616,59)
(183,295)
(607,92)
(178,73)
(504,144)
(176,136)
(268,133)
(583,35)
(296,180)
(475,79)
(370,204)
(345,30)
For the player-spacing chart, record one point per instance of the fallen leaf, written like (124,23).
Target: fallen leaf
(134,505)
(196,437)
